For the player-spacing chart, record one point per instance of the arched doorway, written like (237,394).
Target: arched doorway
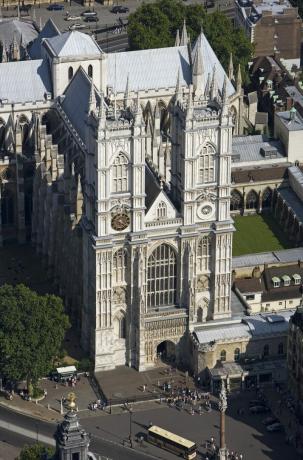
(166,351)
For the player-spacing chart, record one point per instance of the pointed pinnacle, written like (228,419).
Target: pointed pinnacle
(198,65)
(239,79)
(184,36)
(224,89)
(231,68)
(92,98)
(177,41)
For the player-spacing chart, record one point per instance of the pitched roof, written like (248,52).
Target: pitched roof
(24,81)
(20,29)
(73,43)
(158,68)
(49,30)
(76,100)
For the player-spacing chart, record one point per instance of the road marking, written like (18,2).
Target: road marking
(28,433)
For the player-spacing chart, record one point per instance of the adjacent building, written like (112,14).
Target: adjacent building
(273,26)
(295,356)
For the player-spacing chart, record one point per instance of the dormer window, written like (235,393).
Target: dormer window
(276,281)
(286,280)
(297,279)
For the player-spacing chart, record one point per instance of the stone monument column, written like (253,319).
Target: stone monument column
(223,452)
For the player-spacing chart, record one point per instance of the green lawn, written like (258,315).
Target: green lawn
(258,233)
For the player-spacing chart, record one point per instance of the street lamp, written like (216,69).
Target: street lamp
(130,410)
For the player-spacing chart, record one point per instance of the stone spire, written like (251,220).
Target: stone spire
(239,79)
(178,93)
(4,53)
(213,85)
(15,49)
(231,75)
(177,41)
(198,72)
(224,90)
(126,93)
(207,86)
(184,36)
(92,104)
(138,111)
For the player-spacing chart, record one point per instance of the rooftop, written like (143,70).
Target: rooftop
(292,124)
(22,31)
(256,148)
(73,43)
(283,256)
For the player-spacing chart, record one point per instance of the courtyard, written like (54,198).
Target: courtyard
(258,233)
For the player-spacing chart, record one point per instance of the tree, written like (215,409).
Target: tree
(35,452)
(155,25)
(32,328)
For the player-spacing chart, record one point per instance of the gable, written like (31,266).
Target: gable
(161,202)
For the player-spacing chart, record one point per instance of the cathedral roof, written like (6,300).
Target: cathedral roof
(10,28)
(149,69)
(24,81)
(48,31)
(73,43)
(76,100)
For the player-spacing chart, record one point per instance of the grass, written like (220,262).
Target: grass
(258,233)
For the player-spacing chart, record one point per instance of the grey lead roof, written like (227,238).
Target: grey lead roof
(158,68)
(252,260)
(247,148)
(73,43)
(20,29)
(49,30)
(24,81)
(292,125)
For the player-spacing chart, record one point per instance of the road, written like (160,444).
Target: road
(245,434)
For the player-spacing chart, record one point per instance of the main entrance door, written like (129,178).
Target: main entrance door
(166,351)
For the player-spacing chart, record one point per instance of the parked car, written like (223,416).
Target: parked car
(119,9)
(55,7)
(259,409)
(88,13)
(72,18)
(275,427)
(91,19)
(77,25)
(270,420)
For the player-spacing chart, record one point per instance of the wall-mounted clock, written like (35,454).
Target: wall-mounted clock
(120,221)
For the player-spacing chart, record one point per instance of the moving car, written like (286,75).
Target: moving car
(91,19)
(275,427)
(72,18)
(258,409)
(119,9)
(55,7)
(77,25)
(270,420)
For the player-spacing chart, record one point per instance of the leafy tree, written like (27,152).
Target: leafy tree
(35,452)
(155,25)
(32,328)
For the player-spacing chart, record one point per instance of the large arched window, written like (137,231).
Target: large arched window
(120,174)
(119,266)
(70,72)
(203,254)
(252,200)
(236,201)
(223,356)
(267,198)
(161,277)
(90,71)
(7,208)
(206,164)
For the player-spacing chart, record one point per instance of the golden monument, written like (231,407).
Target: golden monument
(71,398)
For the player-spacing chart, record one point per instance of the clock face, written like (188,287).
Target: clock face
(205,210)
(120,221)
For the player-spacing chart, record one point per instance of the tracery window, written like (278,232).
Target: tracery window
(200,315)
(252,200)
(203,254)
(120,174)
(207,164)
(161,277)
(236,201)
(119,266)
(267,198)
(90,71)
(162,210)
